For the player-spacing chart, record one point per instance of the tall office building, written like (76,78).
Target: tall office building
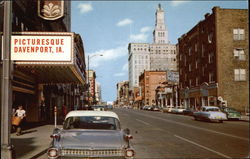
(160,55)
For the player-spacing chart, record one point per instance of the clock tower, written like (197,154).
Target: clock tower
(160,33)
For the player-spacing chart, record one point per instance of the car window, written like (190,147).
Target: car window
(213,109)
(91,122)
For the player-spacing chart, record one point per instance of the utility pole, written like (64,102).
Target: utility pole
(88,82)
(6,92)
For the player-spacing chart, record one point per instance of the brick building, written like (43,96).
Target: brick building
(148,82)
(214,60)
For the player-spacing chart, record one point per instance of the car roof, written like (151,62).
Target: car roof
(92,113)
(210,107)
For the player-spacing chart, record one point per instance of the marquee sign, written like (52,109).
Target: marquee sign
(42,47)
(50,10)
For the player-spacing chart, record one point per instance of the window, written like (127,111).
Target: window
(197,81)
(210,37)
(240,74)
(211,77)
(196,64)
(209,58)
(239,54)
(195,47)
(190,67)
(190,82)
(202,50)
(189,51)
(238,34)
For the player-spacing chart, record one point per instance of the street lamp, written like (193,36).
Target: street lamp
(89,57)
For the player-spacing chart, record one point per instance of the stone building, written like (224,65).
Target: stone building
(160,55)
(214,60)
(139,60)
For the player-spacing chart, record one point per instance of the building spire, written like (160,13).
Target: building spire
(160,33)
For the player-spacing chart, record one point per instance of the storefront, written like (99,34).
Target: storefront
(49,71)
(204,95)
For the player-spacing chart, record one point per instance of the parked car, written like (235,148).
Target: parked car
(188,111)
(109,107)
(147,107)
(211,113)
(231,113)
(91,134)
(177,110)
(167,109)
(99,107)
(155,108)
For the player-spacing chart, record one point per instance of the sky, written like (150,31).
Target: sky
(107,27)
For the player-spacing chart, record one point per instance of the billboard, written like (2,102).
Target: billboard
(48,47)
(173,76)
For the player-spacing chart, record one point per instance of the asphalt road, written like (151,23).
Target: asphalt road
(164,135)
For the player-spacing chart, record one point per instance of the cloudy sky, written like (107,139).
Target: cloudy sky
(107,27)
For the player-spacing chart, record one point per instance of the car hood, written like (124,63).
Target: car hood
(91,139)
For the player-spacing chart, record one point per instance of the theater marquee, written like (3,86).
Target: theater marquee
(42,47)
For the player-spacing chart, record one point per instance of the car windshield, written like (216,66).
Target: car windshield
(213,109)
(91,122)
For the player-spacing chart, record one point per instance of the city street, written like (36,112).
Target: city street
(160,135)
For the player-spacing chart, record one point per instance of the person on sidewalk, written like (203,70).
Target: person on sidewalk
(21,113)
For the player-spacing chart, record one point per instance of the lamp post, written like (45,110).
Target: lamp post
(89,57)
(6,94)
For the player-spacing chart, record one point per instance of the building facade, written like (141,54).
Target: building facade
(214,60)
(123,93)
(40,86)
(92,87)
(138,61)
(148,83)
(160,55)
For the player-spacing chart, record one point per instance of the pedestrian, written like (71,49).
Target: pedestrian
(20,113)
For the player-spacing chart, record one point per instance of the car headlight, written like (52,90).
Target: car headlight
(129,153)
(52,153)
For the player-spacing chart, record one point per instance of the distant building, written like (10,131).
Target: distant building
(92,86)
(214,60)
(139,60)
(98,93)
(122,93)
(149,81)
(160,55)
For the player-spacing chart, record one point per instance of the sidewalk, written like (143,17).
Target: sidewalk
(245,118)
(33,143)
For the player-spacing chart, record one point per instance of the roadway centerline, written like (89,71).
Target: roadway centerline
(191,126)
(206,148)
(143,122)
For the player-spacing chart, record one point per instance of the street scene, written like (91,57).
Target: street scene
(124,79)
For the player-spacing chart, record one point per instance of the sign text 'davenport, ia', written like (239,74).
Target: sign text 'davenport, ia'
(41,47)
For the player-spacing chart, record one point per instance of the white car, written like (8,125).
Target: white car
(178,110)
(168,109)
(211,113)
(91,134)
